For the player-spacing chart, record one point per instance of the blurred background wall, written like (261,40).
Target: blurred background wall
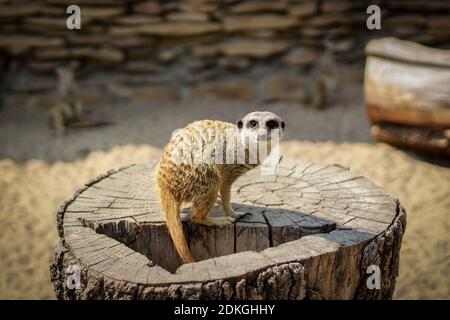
(246,50)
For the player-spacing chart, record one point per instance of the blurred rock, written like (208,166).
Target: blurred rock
(405,20)
(147,7)
(253,48)
(188,16)
(200,64)
(312,42)
(301,57)
(171,29)
(258,22)
(420,6)
(193,6)
(43,67)
(142,67)
(336,19)
(262,34)
(87,2)
(19,9)
(101,12)
(439,22)
(340,5)
(339,31)
(432,37)
(259,6)
(136,19)
(318,32)
(48,23)
(143,52)
(342,45)
(107,55)
(236,90)
(283,86)
(206,51)
(53,11)
(303,9)
(167,55)
(234,63)
(328,20)
(313,32)
(23,41)
(99,40)
(406,31)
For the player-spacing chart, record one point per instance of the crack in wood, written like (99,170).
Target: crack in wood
(299,249)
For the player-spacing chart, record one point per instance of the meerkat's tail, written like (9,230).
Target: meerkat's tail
(172,210)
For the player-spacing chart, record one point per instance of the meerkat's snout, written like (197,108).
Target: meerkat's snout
(261,126)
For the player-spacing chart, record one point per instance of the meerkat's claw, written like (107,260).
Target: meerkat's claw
(231,219)
(237,215)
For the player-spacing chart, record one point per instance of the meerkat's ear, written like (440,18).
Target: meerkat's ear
(239,124)
(282,125)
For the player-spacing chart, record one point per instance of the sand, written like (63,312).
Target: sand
(30,194)
(422,188)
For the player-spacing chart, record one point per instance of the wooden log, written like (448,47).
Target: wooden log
(420,139)
(407,83)
(311,233)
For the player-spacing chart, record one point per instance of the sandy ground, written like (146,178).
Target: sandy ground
(34,180)
(30,194)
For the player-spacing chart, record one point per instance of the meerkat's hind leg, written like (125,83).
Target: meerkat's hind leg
(201,209)
(225,199)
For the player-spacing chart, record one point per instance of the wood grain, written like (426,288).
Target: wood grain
(308,230)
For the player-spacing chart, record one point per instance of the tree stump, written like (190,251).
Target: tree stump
(311,233)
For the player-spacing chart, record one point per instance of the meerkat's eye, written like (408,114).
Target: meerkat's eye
(272,124)
(253,123)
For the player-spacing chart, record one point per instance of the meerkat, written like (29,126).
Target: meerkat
(68,109)
(324,80)
(199,184)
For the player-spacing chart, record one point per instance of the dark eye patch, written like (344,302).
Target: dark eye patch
(253,123)
(272,124)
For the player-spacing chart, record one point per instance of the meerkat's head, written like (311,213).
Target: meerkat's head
(261,126)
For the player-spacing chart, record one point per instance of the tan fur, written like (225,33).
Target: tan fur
(68,108)
(68,111)
(199,184)
(324,81)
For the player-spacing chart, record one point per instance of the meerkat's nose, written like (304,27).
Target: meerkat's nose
(262,134)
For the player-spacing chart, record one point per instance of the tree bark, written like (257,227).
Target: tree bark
(420,139)
(311,233)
